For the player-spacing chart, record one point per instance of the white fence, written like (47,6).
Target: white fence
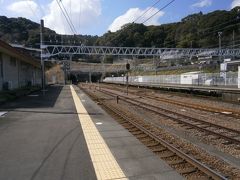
(229,79)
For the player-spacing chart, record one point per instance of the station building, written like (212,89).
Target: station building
(17,69)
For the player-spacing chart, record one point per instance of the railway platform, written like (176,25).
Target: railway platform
(225,93)
(65,135)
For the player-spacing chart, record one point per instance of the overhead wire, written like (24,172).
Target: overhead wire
(146,11)
(212,32)
(34,13)
(205,34)
(41,9)
(70,20)
(79,17)
(70,25)
(198,31)
(217,25)
(224,45)
(151,16)
(159,11)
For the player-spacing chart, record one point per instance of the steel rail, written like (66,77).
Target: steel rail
(200,166)
(194,106)
(235,114)
(147,106)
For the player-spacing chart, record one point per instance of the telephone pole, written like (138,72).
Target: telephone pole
(233,42)
(220,44)
(233,39)
(42,60)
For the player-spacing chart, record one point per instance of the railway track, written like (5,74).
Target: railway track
(229,135)
(184,163)
(226,112)
(223,111)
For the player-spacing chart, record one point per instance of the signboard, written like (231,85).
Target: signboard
(227,60)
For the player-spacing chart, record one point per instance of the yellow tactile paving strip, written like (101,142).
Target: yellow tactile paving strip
(105,165)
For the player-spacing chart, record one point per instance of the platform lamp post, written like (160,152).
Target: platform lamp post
(219,49)
(42,60)
(123,79)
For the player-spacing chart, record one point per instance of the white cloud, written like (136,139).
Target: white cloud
(83,13)
(25,8)
(202,3)
(132,14)
(235,3)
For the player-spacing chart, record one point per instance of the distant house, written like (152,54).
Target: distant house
(17,69)
(230,65)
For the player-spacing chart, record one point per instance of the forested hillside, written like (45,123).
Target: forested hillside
(23,31)
(20,30)
(196,30)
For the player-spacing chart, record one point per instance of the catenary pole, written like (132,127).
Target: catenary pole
(42,60)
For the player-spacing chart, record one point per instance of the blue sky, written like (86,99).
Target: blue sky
(95,17)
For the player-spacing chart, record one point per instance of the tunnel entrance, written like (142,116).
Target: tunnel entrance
(77,77)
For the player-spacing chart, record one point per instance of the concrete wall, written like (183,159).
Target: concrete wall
(10,71)
(55,75)
(234,97)
(17,73)
(1,71)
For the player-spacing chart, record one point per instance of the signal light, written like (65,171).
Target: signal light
(128,66)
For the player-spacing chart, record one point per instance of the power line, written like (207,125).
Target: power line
(212,32)
(149,17)
(34,13)
(158,11)
(41,9)
(65,17)
(79,17)
(68,17)
(224,45)
(216,26)
(146,11)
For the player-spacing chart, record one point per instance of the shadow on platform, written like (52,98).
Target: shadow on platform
(37,99)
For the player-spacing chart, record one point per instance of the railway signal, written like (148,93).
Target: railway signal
(128,66)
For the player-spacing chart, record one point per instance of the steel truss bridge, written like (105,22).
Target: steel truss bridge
(54,50)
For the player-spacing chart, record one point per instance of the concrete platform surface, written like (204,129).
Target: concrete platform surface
(42,138)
